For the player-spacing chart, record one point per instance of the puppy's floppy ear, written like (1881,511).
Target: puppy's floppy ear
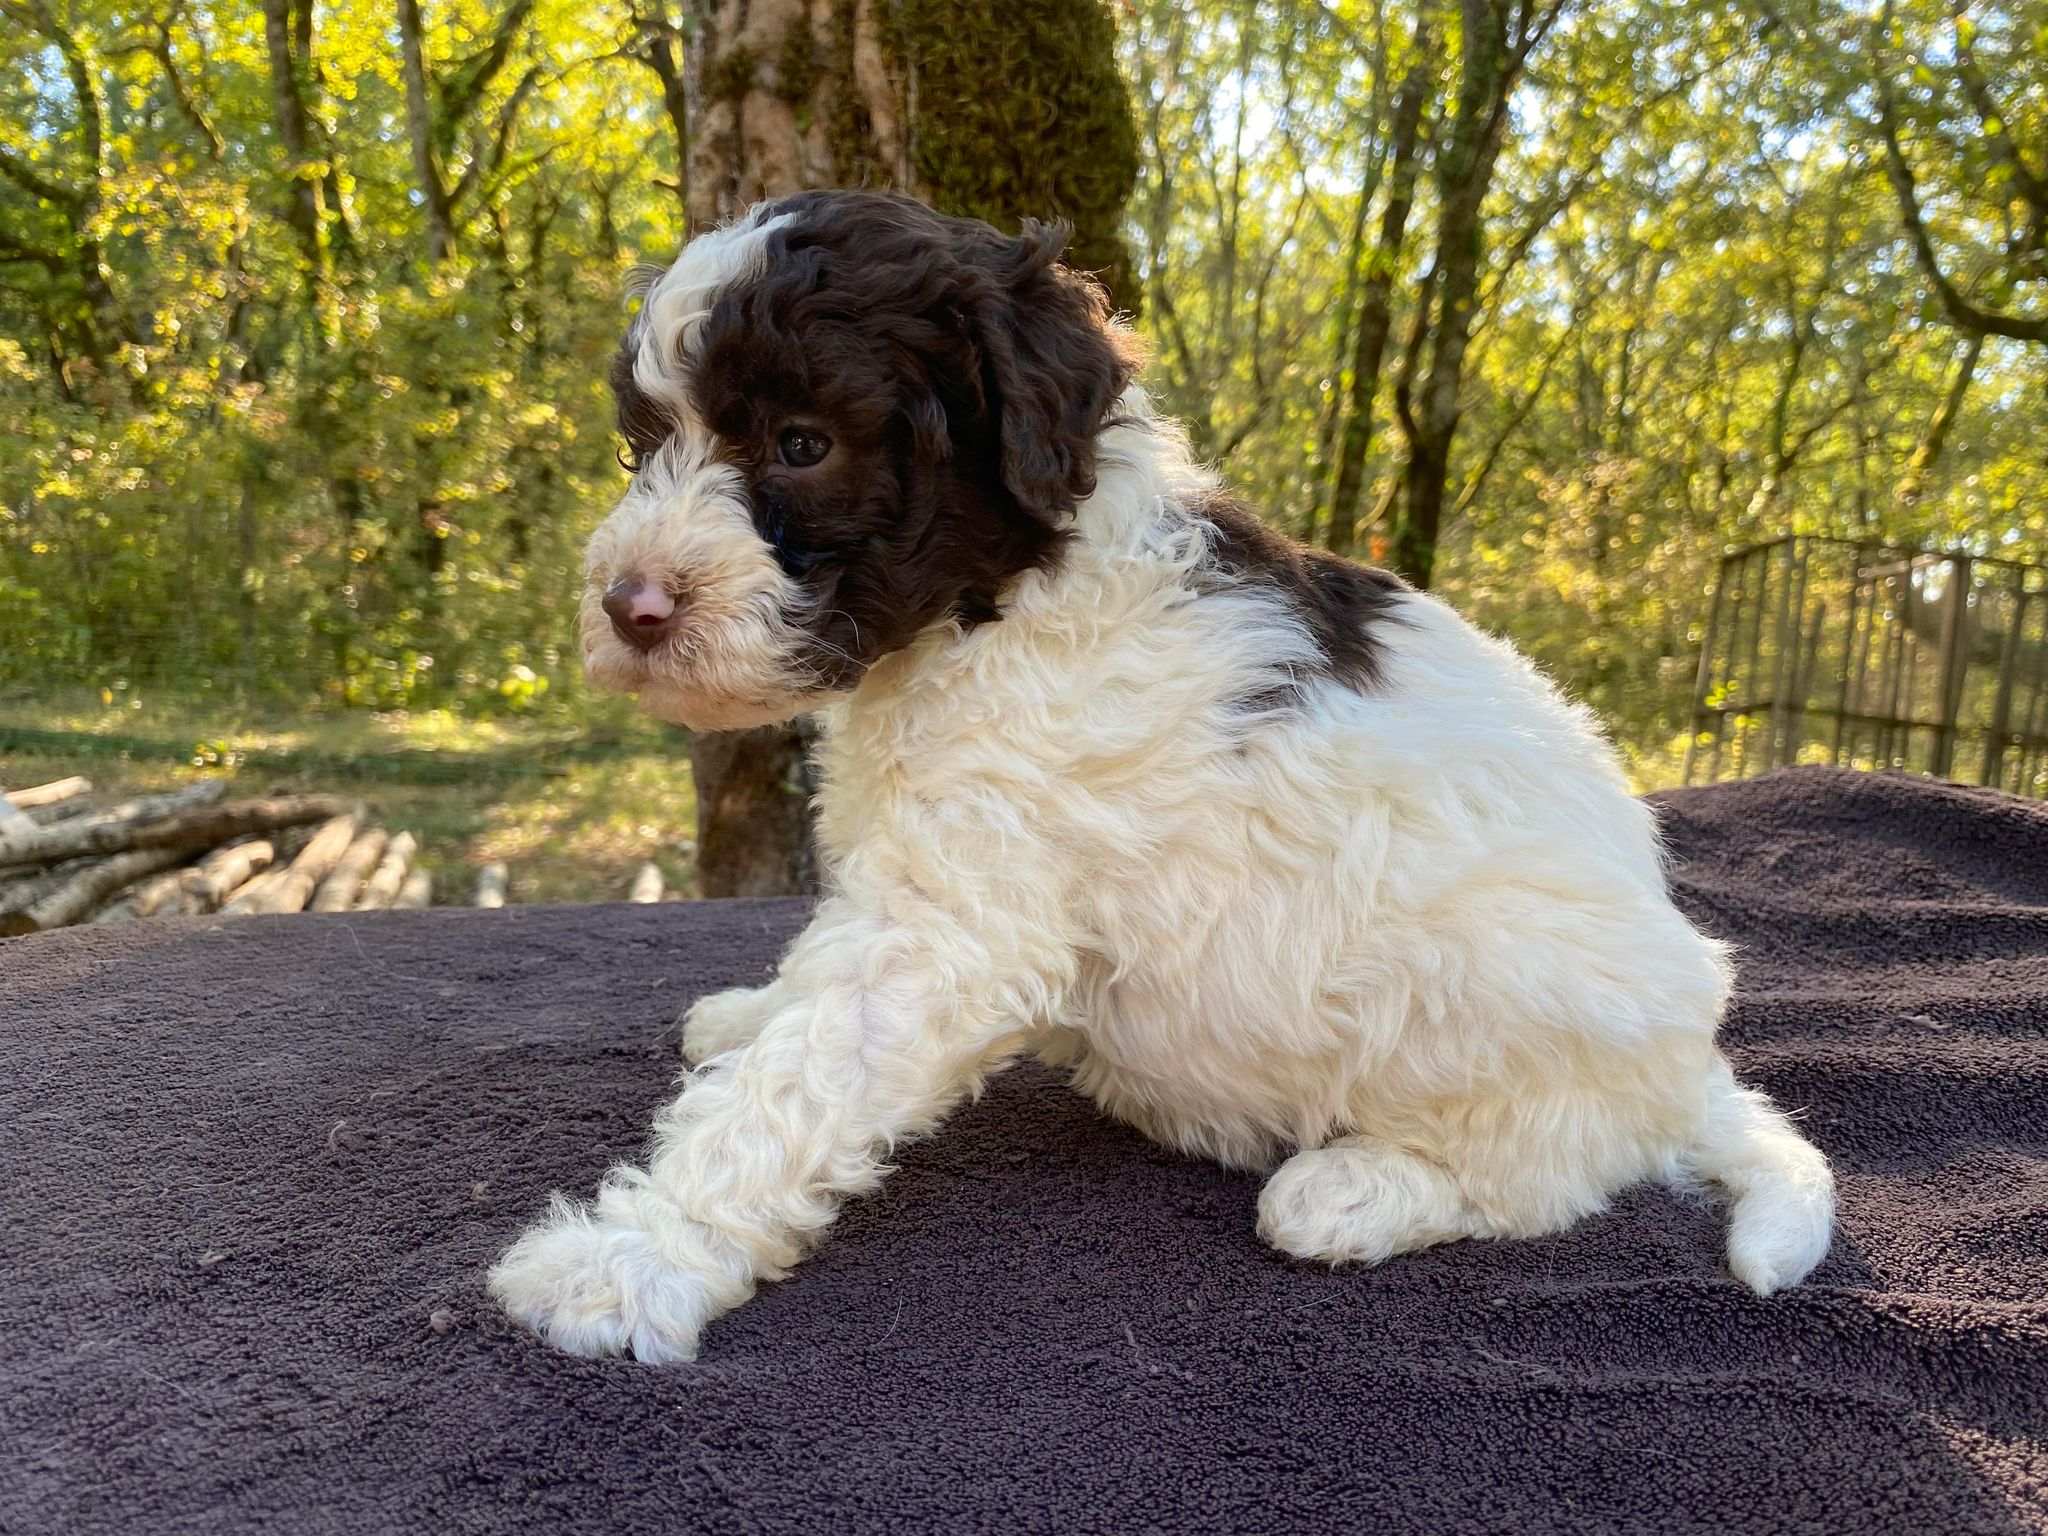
(1052,368)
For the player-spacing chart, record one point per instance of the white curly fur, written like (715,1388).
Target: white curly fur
(1409,945)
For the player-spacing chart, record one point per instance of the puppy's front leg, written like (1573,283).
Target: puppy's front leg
(725,1021)
(885,1025)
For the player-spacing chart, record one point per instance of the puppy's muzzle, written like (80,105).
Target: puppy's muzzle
(643,613)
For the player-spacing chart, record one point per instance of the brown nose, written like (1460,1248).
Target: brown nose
(642,612)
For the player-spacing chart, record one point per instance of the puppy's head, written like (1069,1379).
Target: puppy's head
(849,419)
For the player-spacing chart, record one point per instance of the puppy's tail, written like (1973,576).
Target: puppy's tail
(1782,1196)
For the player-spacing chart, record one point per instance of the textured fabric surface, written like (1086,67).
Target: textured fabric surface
(253,1171)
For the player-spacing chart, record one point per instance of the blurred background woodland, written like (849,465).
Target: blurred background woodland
(305,307)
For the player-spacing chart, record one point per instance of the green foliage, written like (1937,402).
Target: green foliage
(269,436)
(224,475)
(1700,321)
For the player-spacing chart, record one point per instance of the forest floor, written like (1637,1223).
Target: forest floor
(570,806)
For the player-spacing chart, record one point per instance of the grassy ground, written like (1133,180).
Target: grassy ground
(570,806)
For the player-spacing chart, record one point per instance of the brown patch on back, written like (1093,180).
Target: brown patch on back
(1344,607)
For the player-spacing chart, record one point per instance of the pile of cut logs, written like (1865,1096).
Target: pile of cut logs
(66,858)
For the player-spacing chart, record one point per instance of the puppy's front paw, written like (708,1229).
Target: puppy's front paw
(592,1287)
(724,1021)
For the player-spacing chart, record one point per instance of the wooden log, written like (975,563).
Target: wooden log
(20,895)
(256,895)
(80,814)
(223,872)
(290,888)
(199,827)
(88,888)
(250,886)
(159,893)
(491,881)
(66,810)
(50,793)
(135,812)
(418,891)
(338,892)
(382,888)
(647,884)
(13,819)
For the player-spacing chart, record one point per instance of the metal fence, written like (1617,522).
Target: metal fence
(1830,650)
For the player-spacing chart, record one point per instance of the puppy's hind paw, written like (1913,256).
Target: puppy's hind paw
(592,1288)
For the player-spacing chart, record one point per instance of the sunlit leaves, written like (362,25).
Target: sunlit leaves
(167,468)
(1717,333)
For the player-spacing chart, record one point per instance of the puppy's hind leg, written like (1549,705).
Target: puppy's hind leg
(1361,1201)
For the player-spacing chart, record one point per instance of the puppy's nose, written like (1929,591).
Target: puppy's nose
(641,611)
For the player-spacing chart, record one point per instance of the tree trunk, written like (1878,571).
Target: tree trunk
(18,895)
(215,878)
(1488,69)
(142,808)
(753,818)
(1376,310)
(419,122)
(338,892)
(790,95)
(103,323)
(49,794)
(999,112)
(157,894)
(491,882)
(307,215)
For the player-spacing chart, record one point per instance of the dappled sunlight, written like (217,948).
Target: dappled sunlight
(579,837)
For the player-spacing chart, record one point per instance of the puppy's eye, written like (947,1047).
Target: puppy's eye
(800,447)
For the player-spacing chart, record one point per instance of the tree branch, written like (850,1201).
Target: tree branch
(462,90)
(161,52)
(1962,313)
(26,176)
(1517,414)
(12,249)
(1995,124)
(490,160)
(37,16)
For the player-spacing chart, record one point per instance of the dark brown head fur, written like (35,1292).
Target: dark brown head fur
(959,375)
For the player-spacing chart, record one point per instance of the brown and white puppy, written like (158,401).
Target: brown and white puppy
(1285,863)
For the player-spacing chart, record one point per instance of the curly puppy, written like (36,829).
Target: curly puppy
(1283,862)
